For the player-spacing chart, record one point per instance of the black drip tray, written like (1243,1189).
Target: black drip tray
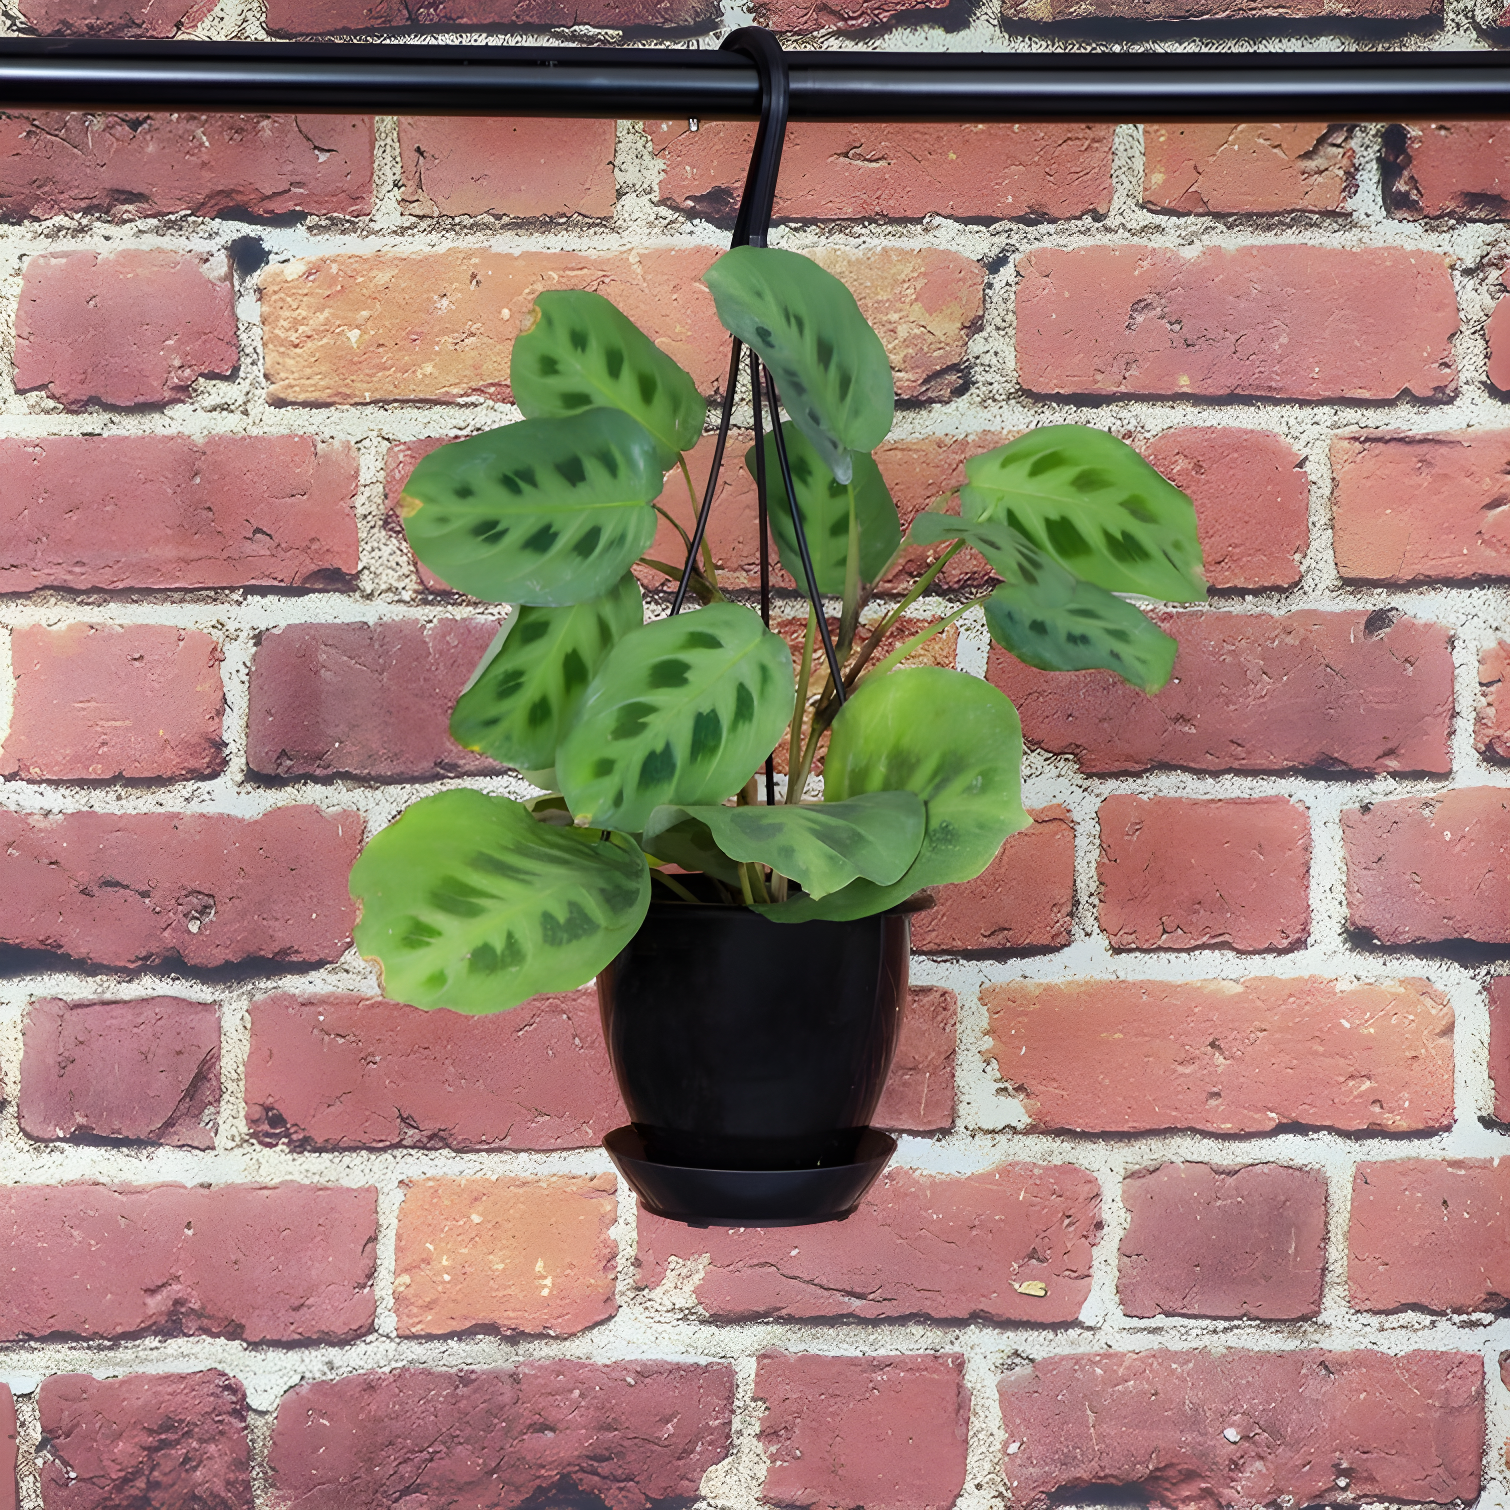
(749,1197)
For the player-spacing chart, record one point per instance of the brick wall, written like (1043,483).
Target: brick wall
(1204,1083)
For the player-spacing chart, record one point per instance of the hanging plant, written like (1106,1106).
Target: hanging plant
(750,955)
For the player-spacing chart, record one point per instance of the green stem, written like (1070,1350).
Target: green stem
(937,506)
(849,618)
(908,646)
(918,589)
(799,714)
(709,566)
(700,584)
(674,885)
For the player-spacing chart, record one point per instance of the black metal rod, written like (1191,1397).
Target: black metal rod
(701,527)
(406,78)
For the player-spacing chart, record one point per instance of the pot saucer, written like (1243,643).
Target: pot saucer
(749,1197)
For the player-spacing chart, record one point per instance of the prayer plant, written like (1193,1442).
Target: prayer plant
(644,732)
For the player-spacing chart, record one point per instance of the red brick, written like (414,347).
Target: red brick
(363,699)
(1498,992)
(130,167)
(279,1263)
(508,1256)
(806,16)
(1256,692)
(1023,899)
(123,328)
(1412,507)
(466,165)
(96,701)
(1251,498)
(1498,333)
(953,1248)
(401,459)
(1219,10)
(877,1433)
(1224,169)
(145,1070)
(626,1435)
(1491,724)
(1203,1240)
(163,511)
(8,1496)
(1448,168)
(145,1442)
(1430,1233)
(134,889)
(832,171)
(114,18)
(295,18)
(1301,322)
(1225,1056)
(1307,1424)
(919,1094)
(1183,873)
(1431,869)
(339,1071)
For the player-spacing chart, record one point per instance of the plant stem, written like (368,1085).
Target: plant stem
(914,593)
(700,584)
(799,712)
(674,885)
(849,617)
(709,566)
(908,646)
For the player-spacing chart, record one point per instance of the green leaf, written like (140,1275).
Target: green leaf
(829,365)
(823,502)
(580,352)
(681,711)
(545,511)
(524,694)
(1048,618)
(955,741)
(820,845)
(674,836)
(1089,501)
(468,902)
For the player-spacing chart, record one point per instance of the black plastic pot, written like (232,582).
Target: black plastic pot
(751,1055)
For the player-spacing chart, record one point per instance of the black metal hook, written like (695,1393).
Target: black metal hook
(752,227)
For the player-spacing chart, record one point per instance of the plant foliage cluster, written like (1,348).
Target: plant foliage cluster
(642,732)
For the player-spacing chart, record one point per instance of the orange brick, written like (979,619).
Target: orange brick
(505,1255)
(1225,1056)
(359,328)
(466,165)
(925,306)
(833,171)
(1249,169)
